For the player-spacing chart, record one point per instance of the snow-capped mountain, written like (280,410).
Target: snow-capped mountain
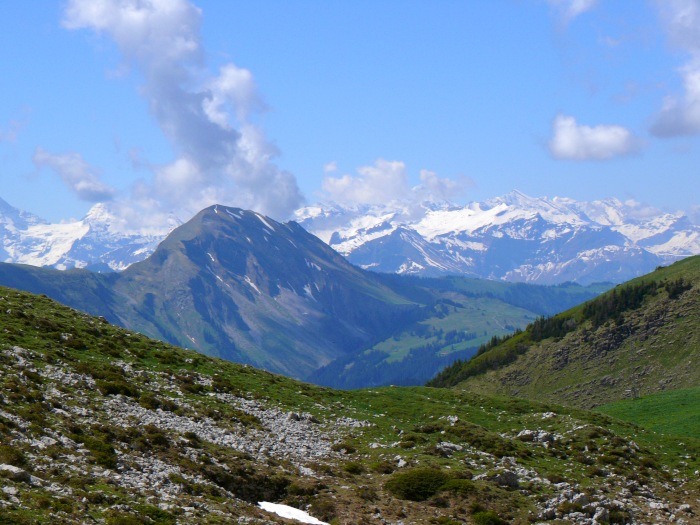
(514,238)
(99,241)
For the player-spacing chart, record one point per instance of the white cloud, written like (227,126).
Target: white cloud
(387,181)
(81,178)
(233,90)
(681,19)
(577,142)
(680,115)
(433,187)
(568,10)
(382,182)
(221,157)
(330,167)
(694,214)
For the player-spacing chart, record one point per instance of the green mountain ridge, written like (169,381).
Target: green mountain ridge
(639,338)
(103,425)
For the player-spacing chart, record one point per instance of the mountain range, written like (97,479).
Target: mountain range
(238,285)
(513,238)
(100,241)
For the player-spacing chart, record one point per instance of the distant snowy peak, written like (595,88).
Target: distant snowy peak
(14,219)
(514,237)
(100,241)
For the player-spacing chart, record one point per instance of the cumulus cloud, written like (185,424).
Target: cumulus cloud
(78,176)
(680,114)
(573,141)
(433,187)
(221,156)
(382,182)
(386,181)
(568,10)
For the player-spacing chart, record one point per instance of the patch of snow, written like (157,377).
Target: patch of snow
(262,219)
(252,285)
(290,513)
(312,264)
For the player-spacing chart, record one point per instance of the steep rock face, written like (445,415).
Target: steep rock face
(514,237)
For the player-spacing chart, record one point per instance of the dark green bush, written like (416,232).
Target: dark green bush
(103,453)
(324,509)
(113,388)
(12,455)
(459,486)
(367,493)
(353,467)
(344,447)
(417,484)
(488,517)
(383,467)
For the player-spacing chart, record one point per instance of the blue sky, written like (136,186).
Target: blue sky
(158,106)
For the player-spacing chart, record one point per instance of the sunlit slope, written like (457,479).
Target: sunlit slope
(639,338)
(98,424)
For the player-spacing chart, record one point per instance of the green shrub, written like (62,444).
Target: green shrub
(344,447)
(488,517)
(367,493)
(459,486)
(353,467)
(104,453)
(418,484)
(324,509)
(113,388)
(12,455)
(619,516)
(383,467)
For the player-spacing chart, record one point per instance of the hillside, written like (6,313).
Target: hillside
(102,425)
(235,284)
(639,338)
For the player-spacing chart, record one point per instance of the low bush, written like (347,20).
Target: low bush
(417,484)
(488,517)
(12,455)
(353,467)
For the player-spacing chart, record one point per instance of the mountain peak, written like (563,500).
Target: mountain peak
(512,237)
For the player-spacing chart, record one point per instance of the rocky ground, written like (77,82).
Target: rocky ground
(98,425)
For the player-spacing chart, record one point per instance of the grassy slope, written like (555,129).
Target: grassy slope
(675,413)
(49,356)
(647,349)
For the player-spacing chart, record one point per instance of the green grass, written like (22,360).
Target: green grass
(411,423)
(676,412)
